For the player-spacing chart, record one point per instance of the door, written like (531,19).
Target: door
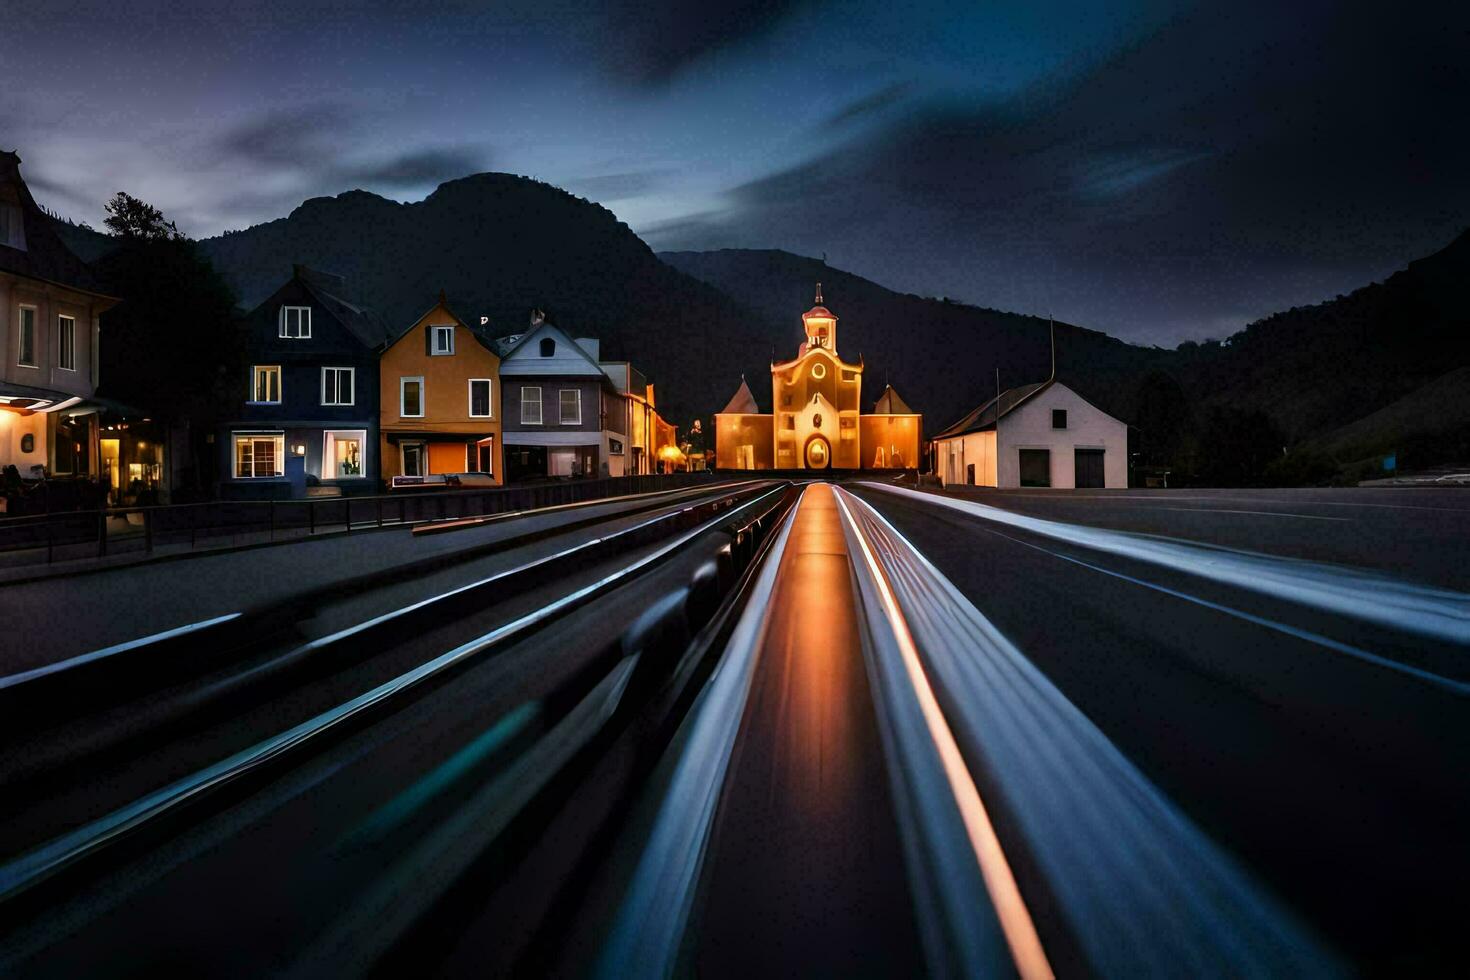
(970,474)
(485,451)
(1089,469)
(818,454)
(413,459)
(1035,467)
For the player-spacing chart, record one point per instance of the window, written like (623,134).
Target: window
(1059,418)
(531,406)
(1035,467)
(259,456)
(295,322)
(343,455)
(441,340)
(819,370)
(480,398)
(337,385)
(548,348)
(265,384)
(25,344)
(571,406)
(615,447)
(66,341)
(411,398)
(12,225)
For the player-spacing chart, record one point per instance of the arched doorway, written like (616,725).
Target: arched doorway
(818,453)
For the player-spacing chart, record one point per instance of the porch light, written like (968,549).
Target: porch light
(299,449)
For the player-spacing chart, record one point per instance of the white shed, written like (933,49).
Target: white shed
(1048,436)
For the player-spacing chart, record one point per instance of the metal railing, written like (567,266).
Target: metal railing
(42,539)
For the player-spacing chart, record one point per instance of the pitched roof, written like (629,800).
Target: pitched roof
(509,347)
(442,303)
(361,322)
(889,403)
(45,256)
(743,402)
(986,415)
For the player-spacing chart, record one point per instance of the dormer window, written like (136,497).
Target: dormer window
(441,341)
(295,322)
(548,348)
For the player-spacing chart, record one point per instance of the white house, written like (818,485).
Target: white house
(1039,435)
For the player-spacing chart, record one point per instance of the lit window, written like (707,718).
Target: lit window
(480,398)
(441,340)
(258,457)
(295,322)
(66,343)
(343,455)
(338,385)
(531,406)
(571,406)
(25,345)
(411,398)
(265,384)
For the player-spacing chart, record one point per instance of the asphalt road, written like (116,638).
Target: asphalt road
(1261,693)
(806,872)
(1420,534)
(1337,780)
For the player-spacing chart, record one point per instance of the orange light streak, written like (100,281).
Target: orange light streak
(1000,881)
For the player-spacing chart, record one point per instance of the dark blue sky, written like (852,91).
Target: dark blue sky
(1159,170)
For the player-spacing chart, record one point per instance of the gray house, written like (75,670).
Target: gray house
(563,416)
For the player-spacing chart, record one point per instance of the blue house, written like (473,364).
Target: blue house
(307,420)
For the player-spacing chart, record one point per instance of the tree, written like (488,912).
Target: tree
(171,343)
(130,218)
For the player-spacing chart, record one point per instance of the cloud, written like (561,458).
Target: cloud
(1253,157)
(618,186)
(655,40)
(290,136)
(869,105)
(419,168)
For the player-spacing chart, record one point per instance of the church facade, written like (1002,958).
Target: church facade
(816,420)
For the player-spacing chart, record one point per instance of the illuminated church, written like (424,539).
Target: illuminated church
(817,422)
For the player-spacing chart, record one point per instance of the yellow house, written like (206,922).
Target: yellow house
(817,422)
(440,401)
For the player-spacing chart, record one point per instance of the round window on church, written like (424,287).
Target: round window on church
(819,371)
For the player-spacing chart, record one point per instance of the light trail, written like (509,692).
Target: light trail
(1141,889)
(1010,908)
(1437,613)
(645,936)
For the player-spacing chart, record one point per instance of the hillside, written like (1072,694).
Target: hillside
(940,355)
(695,321)
(1314,369)
(1431,420)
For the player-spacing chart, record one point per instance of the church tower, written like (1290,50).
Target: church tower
(817,399)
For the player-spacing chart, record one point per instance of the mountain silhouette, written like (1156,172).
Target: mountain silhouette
(695,322)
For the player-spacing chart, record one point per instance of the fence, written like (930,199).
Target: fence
(63,536)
